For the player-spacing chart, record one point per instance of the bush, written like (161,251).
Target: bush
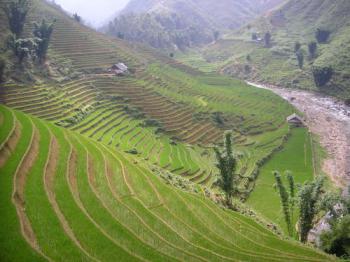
(300,58)
(77,17)
(267,39)
(322,35)
(322,75)
(347,102)
(297,47)
(312,49)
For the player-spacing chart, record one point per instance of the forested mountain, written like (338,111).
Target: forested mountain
(309,47)
(180,24)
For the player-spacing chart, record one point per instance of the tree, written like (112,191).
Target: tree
(2,69)
(43,31)
(16,12)
(312,49)
(226,163)
(310,197)
(23,47)
(297,47)
(77,17)
(300,58)
(267,39)
(337,240)
(322,35)
(285,202)
(254,36)
(322,75)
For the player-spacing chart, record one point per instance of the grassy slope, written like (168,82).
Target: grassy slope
(295,21)
(163,89)
(131,215)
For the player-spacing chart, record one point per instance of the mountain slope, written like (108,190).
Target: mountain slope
(107,168)
(181,24)
(296,21)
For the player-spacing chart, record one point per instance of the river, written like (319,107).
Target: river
(330,120)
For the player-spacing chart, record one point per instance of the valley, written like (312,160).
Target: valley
(138,145)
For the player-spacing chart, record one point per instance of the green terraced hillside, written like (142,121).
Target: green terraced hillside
(181,101)
(296,21)
(65,197)
(119,168)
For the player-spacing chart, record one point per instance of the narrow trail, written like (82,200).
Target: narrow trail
(330,120)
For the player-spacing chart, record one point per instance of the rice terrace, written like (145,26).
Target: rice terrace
(174,130)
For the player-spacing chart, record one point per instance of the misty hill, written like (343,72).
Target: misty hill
(180,24)
(296,21)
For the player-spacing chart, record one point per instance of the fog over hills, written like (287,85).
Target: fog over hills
(183,23)
(94,12)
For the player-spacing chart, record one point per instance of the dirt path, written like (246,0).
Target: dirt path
(330,120)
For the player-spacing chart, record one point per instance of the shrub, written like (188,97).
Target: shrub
(77,17)
(300,58)
(16,12)
(322,35)
(254,36)
(267,39)
(322,75)
(312,49)
(297,47)
(347,102)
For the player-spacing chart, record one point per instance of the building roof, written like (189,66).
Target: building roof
(295,117)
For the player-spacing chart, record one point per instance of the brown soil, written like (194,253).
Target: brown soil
(1,119)
(330,120)
(20,179)
(72,170)
(10,144)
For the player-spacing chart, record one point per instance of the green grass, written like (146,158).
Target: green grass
(296,156)
(12,244)
(117,209)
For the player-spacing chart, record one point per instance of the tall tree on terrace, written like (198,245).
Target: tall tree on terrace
(16,12)
(226,163)
(43,31)
(287,199)
(310,195)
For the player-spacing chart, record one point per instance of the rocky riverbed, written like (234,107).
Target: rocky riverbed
(330,120)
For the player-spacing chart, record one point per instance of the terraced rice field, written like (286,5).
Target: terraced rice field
(296,156)
(66,197)
(177,96)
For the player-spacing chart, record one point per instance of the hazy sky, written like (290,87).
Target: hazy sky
(93,11)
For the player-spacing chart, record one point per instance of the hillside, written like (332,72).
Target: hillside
(104,168)
(296,21)
(178,24)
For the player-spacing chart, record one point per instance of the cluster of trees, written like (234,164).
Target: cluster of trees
(336,240)
(35,47)
(173,31)
(321,75)
(306,201)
